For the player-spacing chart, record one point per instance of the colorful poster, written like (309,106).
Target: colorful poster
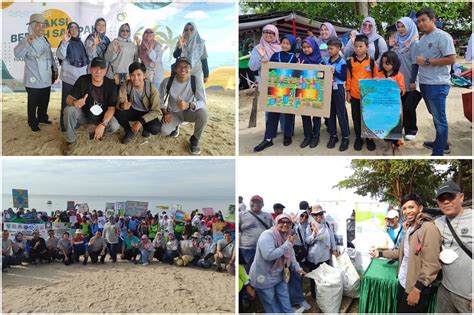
(208,211)
(20,198)
(26,229)
(381,109)
(136,208)
(109,209)
(217,230)
(296,89)
(167,19)
(231,209)
(58,227)
(83,207)
(71,205)
(120,207)
(174,208)
(180,215)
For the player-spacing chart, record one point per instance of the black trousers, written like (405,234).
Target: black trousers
(421,307)
(312,267)
(410,101)
(158,254)
(131,253)
(125,116)
(38,101)
(272,125)
(95,256)
(356,116)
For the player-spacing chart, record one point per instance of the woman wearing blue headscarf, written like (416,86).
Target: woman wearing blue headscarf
(286,55)
(405,45)
(74,61)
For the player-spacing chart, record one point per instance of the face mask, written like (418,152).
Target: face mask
(448,256)
(96,110)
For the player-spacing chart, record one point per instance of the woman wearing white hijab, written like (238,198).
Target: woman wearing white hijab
(193,47)
(121,53)
(377,45)
(405,47)
(40,71)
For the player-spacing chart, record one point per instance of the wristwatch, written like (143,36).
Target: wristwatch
(103,123)
(191,105)
(427,61)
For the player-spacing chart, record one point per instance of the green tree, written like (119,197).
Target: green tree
(390,180)
(169,40)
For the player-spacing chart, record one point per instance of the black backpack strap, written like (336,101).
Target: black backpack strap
(260,220)
(168,87)
(398,235)
(301,237)
(193,84)
(129,89)
(372,65)
(349,65)
(456,237)
(377,50)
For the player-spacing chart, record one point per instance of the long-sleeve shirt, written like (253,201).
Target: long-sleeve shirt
(261,274)
(155,56)
(183,90)
(250,227)
(172,245)
(34,64)
(319,245)
(120,61)
(255,63)
(69,73)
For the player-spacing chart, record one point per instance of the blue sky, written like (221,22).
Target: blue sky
(142,177)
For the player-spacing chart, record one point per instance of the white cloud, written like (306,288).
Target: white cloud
(197,15)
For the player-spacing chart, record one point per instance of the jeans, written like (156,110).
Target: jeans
(169,255)
(144,254)
(295,288)
(248,254)
(272,125)
(275,299)
(112,248)
(338,110)
(435,97)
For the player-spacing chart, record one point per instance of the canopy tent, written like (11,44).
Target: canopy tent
(288,22)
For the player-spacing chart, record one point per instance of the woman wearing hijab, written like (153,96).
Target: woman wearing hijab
(270,269)
(40,71)
(96,43)
(121,53)
(405,44)
(74,61)
(150,54)
(19,249)
(326,32)
(193,47)
(377,45)
(269,44)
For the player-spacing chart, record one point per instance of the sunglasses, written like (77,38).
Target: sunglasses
(125,31)
(367,25)
(448,196)
(268,32)
(283,222)
(189,29)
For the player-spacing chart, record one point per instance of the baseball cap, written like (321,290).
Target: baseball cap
(278,206)
(392,214)
(256,198)
(98,62)
(181,60)
(448,187)
(304,205)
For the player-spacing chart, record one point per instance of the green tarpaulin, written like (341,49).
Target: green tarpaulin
(379,288)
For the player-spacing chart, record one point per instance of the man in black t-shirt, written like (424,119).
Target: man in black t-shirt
(92,101)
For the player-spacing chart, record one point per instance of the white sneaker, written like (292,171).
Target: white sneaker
(145,264)
(410,137)
(298,310)
(305,305)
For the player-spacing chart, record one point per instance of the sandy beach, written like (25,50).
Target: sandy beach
(122,287)
(218,138)
(460,132)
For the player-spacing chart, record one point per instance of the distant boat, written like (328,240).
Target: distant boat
(49,202)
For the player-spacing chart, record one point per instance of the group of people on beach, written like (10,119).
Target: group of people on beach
(137,239)
(277,249)
(406,58)
(115,83)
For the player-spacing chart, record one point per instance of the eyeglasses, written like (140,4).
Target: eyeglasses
(448,196)
(283,222)
(125,31)
(268,32)
(367,25)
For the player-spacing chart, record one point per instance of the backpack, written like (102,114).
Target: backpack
(170,82)
(349,64)
(147,89)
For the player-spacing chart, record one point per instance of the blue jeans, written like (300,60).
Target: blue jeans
(275,299)
(248,255)
(435,98)
(144,256)
(112,248)
(295,288)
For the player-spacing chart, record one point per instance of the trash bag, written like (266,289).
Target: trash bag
(329,287)
(350,276)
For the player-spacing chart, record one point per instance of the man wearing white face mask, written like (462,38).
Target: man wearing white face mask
(455,291)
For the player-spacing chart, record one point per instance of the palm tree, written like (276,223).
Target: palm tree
(168,40)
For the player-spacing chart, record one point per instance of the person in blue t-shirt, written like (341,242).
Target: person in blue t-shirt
(130,247)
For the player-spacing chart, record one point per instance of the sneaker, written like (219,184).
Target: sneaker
(263,145)
(358,144)
(410,137)
(370,144)
(430,145)
(193,146)
(344,144)
(46,122)
(63,129)
(298,310)
(332,142)
(314,142)
(175,133)
(68,148)
(128,137)
(305,142)
(305,305)
(146,134)
(35,128)
(145,264)
(287,141)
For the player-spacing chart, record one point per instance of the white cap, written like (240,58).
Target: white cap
(392,214)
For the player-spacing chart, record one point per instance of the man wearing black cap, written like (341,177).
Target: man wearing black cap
(455,291)
(183,99)
(138,101)
(92,101)
(277,210)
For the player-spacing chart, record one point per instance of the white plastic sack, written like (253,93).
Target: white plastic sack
(329,288)
(349,275)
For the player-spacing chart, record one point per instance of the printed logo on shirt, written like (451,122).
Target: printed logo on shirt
(32,79)
(367,69)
